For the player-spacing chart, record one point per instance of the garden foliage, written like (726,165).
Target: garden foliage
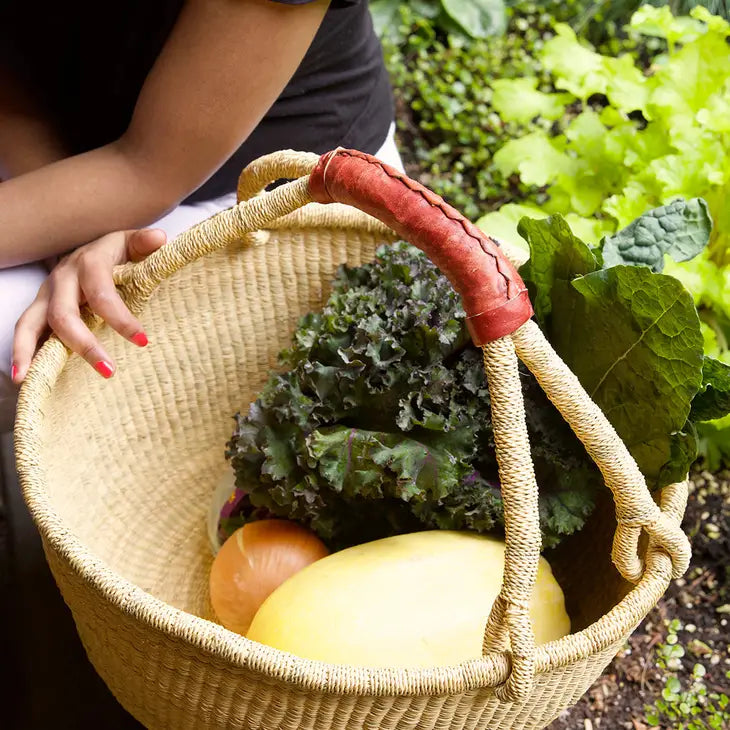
(635,140)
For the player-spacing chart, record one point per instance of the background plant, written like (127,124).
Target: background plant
(445,83)
(636,140)
(688,706)
(466,18)
(599,20)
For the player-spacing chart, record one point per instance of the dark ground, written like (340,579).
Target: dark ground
(701,602)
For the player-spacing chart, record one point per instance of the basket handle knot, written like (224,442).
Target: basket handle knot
(664,532)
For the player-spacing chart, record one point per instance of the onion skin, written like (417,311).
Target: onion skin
(254,561)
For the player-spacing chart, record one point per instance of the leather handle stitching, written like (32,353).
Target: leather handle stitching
(460,219)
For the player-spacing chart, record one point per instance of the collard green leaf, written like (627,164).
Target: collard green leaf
(556,255)
(713,400)
(633,339)
(477,18)
(681,230)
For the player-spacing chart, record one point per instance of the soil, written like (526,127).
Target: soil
(700,601)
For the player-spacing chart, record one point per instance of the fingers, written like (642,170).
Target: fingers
(29,329)
(65,320)
(143,242)
(99,292)
(85,277)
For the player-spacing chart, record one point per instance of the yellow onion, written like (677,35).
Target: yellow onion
(256,559)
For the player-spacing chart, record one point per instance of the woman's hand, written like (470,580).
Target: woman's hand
(84,277)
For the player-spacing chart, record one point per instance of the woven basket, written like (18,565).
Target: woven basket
(119,474)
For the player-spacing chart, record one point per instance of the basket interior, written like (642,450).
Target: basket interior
(131,463)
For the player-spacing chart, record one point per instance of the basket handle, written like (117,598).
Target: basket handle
(494,297)
(499,311)
(137,281)
(284,164)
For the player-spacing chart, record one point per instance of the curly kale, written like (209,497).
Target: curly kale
(380,422)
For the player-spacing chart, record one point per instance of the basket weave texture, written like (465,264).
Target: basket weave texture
(118,476)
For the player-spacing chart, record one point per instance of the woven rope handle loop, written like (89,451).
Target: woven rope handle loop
(635,508)
(137,281)
(285,164)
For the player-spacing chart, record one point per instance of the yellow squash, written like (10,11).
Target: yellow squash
(415,600)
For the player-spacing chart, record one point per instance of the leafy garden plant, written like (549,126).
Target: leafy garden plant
(445,118)
(444,83)
(685,707)
(379,421)
(466,18)
(636,141)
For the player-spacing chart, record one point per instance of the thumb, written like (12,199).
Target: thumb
(145,241)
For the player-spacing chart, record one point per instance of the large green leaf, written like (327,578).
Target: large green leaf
(633,339)
(681,230)
(477,18)
(556,255)
(713,401)
(661,23)
(536,157)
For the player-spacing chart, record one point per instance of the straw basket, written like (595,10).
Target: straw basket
(119,474)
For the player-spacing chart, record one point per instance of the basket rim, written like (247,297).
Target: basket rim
(272,664)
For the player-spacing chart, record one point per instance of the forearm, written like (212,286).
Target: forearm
(196,107)
(25,145)
(60,206)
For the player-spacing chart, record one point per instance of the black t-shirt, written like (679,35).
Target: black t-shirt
(86,61)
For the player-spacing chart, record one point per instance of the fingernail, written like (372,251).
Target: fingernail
(140,339)
(104,368)
(13,371)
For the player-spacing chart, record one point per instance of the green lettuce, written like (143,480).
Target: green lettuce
(641,141)
(657,136)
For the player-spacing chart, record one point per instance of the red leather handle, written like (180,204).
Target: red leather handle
(494,296)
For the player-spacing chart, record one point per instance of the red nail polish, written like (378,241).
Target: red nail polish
(140,339)
(104,368)
(13,371)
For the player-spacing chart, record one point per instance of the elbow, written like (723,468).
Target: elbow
(159,177)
